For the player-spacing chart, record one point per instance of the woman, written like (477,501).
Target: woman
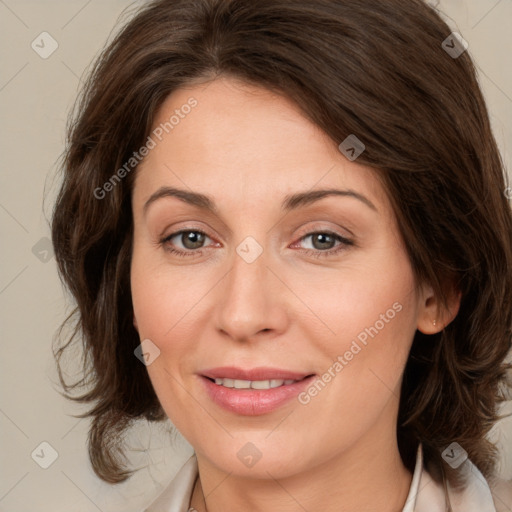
(285,227)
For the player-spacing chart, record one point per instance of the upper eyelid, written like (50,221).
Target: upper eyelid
(338,238)
(186,229)
(314,229)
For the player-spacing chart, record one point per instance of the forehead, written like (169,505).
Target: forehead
(246,141)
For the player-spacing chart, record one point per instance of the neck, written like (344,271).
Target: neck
(369,477)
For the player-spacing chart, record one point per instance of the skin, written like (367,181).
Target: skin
(247,148)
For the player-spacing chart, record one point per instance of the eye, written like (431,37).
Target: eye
(191,239)
(323,243)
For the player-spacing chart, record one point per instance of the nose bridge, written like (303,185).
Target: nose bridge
(250,298)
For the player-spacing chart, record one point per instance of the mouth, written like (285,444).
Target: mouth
(258,374)
(255,391)
(254,384)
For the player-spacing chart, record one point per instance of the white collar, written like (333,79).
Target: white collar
(425,495)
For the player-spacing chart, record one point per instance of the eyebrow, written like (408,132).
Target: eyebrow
(291,201)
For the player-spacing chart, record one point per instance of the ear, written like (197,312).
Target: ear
(433,317)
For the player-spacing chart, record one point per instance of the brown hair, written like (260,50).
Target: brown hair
(373,69)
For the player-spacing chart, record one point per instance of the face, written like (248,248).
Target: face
(305,302)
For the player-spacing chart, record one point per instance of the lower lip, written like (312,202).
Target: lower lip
(253,402)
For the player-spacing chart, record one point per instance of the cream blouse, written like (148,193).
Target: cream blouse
(425,495)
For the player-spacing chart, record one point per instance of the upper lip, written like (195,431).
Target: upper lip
(260,373)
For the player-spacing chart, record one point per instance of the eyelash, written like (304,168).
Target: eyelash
(316,253)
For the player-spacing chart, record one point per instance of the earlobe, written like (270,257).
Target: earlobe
(433,316)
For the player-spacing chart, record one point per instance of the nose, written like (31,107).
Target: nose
(251,300)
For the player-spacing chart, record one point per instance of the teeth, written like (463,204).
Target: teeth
(254,384)
(242,384)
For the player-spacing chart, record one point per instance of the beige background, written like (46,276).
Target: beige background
(35,97)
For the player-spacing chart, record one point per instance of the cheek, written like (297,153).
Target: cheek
(369,317)
(363,302)
(165,299)
(160,310)
(167,306)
